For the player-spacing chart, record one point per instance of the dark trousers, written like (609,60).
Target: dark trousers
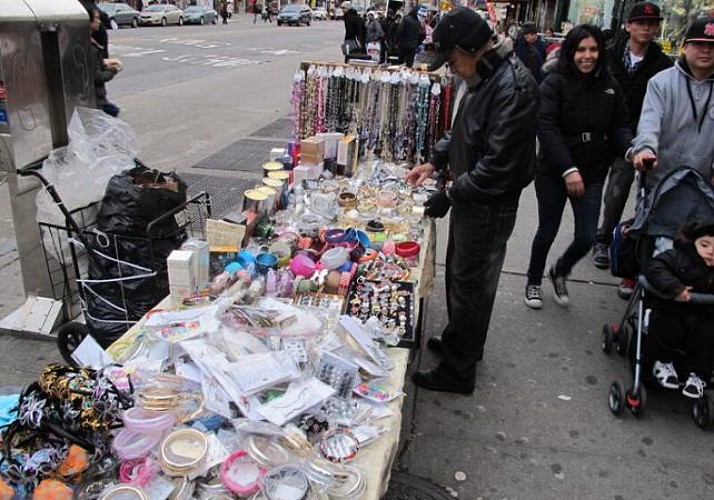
(478,235)
(111,109)
(552,195)
(622,174)
(406,56)
(680,327)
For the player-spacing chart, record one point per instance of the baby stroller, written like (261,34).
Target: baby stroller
(684,195)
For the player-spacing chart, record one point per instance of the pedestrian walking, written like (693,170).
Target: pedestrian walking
(633,60)
(104,69)
(677,121)
(409,35)
(490,155)
(257,9)
(531,50)
(224,12)
(355,31)
(583,123)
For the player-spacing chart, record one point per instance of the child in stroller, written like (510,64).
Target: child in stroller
(679,333)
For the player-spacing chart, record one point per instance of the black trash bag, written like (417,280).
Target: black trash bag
(136,197)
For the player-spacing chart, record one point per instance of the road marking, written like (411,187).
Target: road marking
(192,42)
(275,52)
(215,61)
(129,51)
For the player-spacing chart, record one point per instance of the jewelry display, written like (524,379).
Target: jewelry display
(286,483)
(339,446)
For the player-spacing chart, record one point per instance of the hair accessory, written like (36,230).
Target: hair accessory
(240,474)
(138,472)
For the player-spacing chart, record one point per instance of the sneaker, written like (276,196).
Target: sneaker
(601,256)
(627,286)
(694,388)
(534,296)
(561,289)
(666,375)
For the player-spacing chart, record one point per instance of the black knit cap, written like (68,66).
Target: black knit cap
(529,27)
(701,30)
(462,28)
(645,10)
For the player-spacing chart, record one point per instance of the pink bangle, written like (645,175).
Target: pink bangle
(147,421)
(139,472)
(408,249)
(129,445)
(240,474)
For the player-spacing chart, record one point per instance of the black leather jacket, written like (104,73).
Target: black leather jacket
(490,151)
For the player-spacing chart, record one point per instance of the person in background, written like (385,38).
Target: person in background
(490,155)
(139,5)
(104,69)
(609,36)
(373,30)
(257,9)
(393,36)
(531,50)
(633,59)
(676,126)
(386,24)
(674,325)
(583,124)
(224,12)
(100,35)
(355,29)
(409,36)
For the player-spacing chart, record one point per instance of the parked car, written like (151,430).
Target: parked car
(120,14)
(295,14)
(197,14)
(161,14)
(319,14)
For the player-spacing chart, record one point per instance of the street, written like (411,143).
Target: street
(537,426)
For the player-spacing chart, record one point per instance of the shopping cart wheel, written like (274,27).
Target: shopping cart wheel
(623,337)
(69,336)
(607,336)
(616,398)
(703,411)
(637,401)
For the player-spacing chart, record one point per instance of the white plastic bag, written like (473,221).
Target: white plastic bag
(100,147)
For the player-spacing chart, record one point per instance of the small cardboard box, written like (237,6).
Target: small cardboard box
(346,155)
(201,259)
(312,150)
(331,140)
(182,275)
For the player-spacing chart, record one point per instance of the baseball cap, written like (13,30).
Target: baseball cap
(645,10)
(462,28)
(701,30)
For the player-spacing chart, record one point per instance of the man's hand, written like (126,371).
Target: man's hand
(574,184)
(644,160)
(417,175)
(683,295)
(437,206)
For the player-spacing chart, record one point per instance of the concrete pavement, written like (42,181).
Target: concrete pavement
(537,426)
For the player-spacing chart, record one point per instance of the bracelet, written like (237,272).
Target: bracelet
(407,249)
(345,279)
(147,421)
(130,445)
(334,236)
(369,254)
(183,451)
(347,200)
(240,474)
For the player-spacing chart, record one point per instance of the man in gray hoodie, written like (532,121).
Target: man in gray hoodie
(676,127)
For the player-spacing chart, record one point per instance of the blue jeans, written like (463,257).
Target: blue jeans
(478,235)
(552,195)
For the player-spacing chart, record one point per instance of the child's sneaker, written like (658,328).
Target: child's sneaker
(694,388)
(559,287)
(534,296)
(666,375)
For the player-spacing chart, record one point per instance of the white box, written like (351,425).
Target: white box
(302,172)
(331,139)
(201,259)
(181,267)
(277,153)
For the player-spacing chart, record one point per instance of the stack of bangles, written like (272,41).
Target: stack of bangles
(183,452)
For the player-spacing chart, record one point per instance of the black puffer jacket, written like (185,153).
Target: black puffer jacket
(583,123)
(673,270)
(410,33)
(634,86)
(491,150)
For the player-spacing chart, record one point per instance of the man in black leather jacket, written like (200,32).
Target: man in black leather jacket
(490,155)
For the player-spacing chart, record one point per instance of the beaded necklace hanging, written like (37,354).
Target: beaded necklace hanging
(422,117)
(434,103)
(296,102)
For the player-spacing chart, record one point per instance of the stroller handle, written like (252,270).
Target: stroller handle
(694,298)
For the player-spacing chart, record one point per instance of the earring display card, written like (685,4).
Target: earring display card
(390,302)
(326,301)
(338,373)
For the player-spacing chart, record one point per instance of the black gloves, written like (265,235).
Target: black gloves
(437,205)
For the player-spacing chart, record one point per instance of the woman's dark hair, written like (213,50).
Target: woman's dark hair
(570,45)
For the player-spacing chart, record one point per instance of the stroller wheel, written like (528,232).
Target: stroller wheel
(607,336)
(703,411)
(69,336)
(637,401)
(623,337)
(616,398)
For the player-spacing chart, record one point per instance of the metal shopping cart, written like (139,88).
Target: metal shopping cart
(111,278)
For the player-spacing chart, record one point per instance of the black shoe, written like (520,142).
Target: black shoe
(560,288)
(601,255)
(434,381)
(434,344)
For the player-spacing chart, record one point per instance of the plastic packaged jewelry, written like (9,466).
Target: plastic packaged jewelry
(266,452)
(130,445)
(339,445)
(124,492)
(241,474)
(286,483)
(138,419)
(183,451)
(350,485)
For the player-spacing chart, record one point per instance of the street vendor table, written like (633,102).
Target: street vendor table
(375,460)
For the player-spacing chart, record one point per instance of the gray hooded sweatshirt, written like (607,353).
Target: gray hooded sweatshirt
(677,123)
